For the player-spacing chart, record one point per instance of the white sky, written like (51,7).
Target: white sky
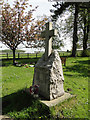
(44,6)
(43,9)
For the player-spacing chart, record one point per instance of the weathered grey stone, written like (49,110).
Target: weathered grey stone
(48,34)
(49,76)
(58,100)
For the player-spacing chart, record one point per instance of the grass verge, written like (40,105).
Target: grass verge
(19,105)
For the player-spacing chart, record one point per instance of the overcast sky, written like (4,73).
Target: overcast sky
(44,6)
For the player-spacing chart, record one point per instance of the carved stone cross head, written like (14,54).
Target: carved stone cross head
(48,34)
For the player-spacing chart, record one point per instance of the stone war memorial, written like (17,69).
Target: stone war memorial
(48,73)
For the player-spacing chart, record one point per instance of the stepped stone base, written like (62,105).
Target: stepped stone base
(61,99)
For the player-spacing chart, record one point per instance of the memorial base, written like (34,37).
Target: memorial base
(58,100)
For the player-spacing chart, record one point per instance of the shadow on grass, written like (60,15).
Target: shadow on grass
(8,62)
(24,103)
(83,62)
(80,67)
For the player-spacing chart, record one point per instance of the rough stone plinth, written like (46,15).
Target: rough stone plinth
(49,76)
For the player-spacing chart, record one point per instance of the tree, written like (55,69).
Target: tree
(75,37)
(85,13)
(78,26)
(14,22)
(62,7)
(57,40)
(34,34)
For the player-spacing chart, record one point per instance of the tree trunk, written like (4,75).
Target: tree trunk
(86,32)
(75,38)
(13,56)
(84,37)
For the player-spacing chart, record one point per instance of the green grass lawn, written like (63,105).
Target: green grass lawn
(20,105)
(76,76)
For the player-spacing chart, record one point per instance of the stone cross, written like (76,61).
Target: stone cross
(48,34)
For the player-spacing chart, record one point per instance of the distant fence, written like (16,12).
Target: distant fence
(20,55)
(29,55)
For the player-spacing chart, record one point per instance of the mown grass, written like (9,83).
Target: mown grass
(20,105)
(76,75)
(20,61)
(16,78)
